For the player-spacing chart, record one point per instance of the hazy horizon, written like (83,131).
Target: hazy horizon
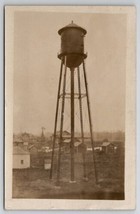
(45,132)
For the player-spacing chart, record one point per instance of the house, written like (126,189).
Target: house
(33,149)
(38,155)
(18,142)
(21,158)
(108,147)
(65,135)
(79,147)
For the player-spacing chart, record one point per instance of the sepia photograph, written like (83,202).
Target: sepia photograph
(70,107)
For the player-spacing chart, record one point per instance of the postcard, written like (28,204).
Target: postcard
(70,107)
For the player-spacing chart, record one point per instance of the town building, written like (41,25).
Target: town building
(21,158)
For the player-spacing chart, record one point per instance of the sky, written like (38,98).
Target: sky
(37,68)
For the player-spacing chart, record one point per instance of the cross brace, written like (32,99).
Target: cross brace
(76,95)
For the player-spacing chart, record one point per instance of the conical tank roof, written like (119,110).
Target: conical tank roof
(72,25)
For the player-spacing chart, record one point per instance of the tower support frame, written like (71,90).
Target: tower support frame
(72,97)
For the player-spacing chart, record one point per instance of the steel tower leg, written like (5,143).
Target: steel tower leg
(90,121)
(81,120)
(72,125)
(56,117)
(61,124)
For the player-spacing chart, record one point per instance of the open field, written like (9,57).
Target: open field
(35,183)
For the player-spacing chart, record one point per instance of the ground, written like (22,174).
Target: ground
(35,183)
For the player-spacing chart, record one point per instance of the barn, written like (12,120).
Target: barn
(21,158)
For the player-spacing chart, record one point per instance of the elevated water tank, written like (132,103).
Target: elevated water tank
(72,44)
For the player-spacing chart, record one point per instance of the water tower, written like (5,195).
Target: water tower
(72,56)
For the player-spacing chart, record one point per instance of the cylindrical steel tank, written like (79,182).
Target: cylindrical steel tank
(72,44)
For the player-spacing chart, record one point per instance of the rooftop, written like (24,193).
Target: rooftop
(17,150)
(72,25)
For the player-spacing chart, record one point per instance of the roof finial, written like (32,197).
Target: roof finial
(72,22)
